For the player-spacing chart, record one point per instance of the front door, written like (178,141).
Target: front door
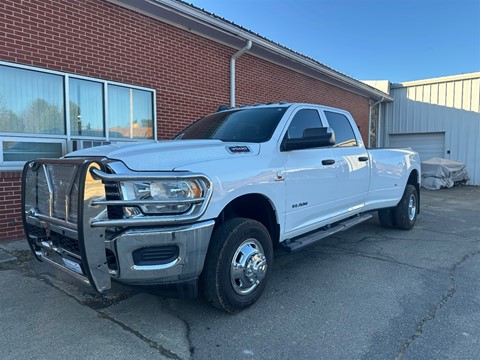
(310,178)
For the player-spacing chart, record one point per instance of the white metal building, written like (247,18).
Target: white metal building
(437,117)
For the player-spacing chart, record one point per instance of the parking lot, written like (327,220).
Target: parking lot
(367,293)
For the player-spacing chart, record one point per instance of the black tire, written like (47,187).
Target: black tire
(231,242)
(386,217)
(406,211)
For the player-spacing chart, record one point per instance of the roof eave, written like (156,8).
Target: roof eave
(190,18)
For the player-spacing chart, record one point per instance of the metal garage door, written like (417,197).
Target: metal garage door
(428,145)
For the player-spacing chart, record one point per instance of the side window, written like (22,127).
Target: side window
(304,119)
(344,135)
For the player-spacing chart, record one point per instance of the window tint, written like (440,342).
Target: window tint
(344,135)
(31,102)
(39,106)
(130,113)
(240,125)
(86,108)
(25,151)
(304,119)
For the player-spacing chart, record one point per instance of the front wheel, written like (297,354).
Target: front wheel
(238,264)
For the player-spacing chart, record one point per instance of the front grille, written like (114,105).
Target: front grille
(112,192)
(51,194)
(64,184)
(65,243)
(55,196)
(36,232)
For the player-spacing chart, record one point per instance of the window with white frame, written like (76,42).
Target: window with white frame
(46,113)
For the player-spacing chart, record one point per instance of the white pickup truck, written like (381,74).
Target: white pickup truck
(210,206)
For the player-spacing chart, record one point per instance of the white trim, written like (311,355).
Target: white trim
(154,102)
(443,79)
(32,135)
(67,111)
(105,113)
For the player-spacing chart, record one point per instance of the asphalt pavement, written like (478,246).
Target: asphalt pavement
(367,293)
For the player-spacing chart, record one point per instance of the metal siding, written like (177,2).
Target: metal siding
(449,105)
(458,95)
(425,114)
(475,98)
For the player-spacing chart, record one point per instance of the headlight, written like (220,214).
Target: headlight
(162,196)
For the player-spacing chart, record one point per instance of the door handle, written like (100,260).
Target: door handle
(328,162)
(363,158)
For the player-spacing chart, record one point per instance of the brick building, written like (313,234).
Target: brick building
(75,74)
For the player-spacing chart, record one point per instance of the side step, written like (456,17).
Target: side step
(301,242)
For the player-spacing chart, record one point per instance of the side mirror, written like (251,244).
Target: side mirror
(312,138)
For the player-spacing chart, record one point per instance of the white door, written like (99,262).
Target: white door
(310,179)
(351,163)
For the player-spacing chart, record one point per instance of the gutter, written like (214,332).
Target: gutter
(232,70)
(186,16)
(197,14)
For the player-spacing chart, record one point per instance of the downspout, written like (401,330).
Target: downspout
(232,70)
(370,118)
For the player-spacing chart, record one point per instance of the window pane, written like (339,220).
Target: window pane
(25,151)
(304,119)
(344,135)
(31,102)
(86,108)
(244,125)
(130,113)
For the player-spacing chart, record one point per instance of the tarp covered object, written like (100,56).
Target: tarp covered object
(440,173)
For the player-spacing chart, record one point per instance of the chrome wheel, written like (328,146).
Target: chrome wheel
(412,207)
(406,212)
(248,267)
(236,266)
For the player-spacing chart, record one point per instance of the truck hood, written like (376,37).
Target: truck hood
(169,155)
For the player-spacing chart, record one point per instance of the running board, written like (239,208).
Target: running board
(300,243)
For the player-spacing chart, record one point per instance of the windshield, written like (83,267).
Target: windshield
(239,125)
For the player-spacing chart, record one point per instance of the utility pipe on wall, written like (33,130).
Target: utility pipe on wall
(232,70)
(370,120)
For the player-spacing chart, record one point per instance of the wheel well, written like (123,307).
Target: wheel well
(256,207)
(413,179)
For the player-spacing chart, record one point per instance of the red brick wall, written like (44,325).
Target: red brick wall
(260,81)
(190,73)
(10,215)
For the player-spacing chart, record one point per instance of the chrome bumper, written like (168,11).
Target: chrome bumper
(192,243)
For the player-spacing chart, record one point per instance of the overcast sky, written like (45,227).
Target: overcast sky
(397,40)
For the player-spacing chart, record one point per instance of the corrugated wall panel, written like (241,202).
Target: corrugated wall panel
(450,105)
(475,97)
(425,114)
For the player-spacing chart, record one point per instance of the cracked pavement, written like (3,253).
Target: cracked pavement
(367,293)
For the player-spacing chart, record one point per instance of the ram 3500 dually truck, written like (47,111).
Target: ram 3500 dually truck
(210,206)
